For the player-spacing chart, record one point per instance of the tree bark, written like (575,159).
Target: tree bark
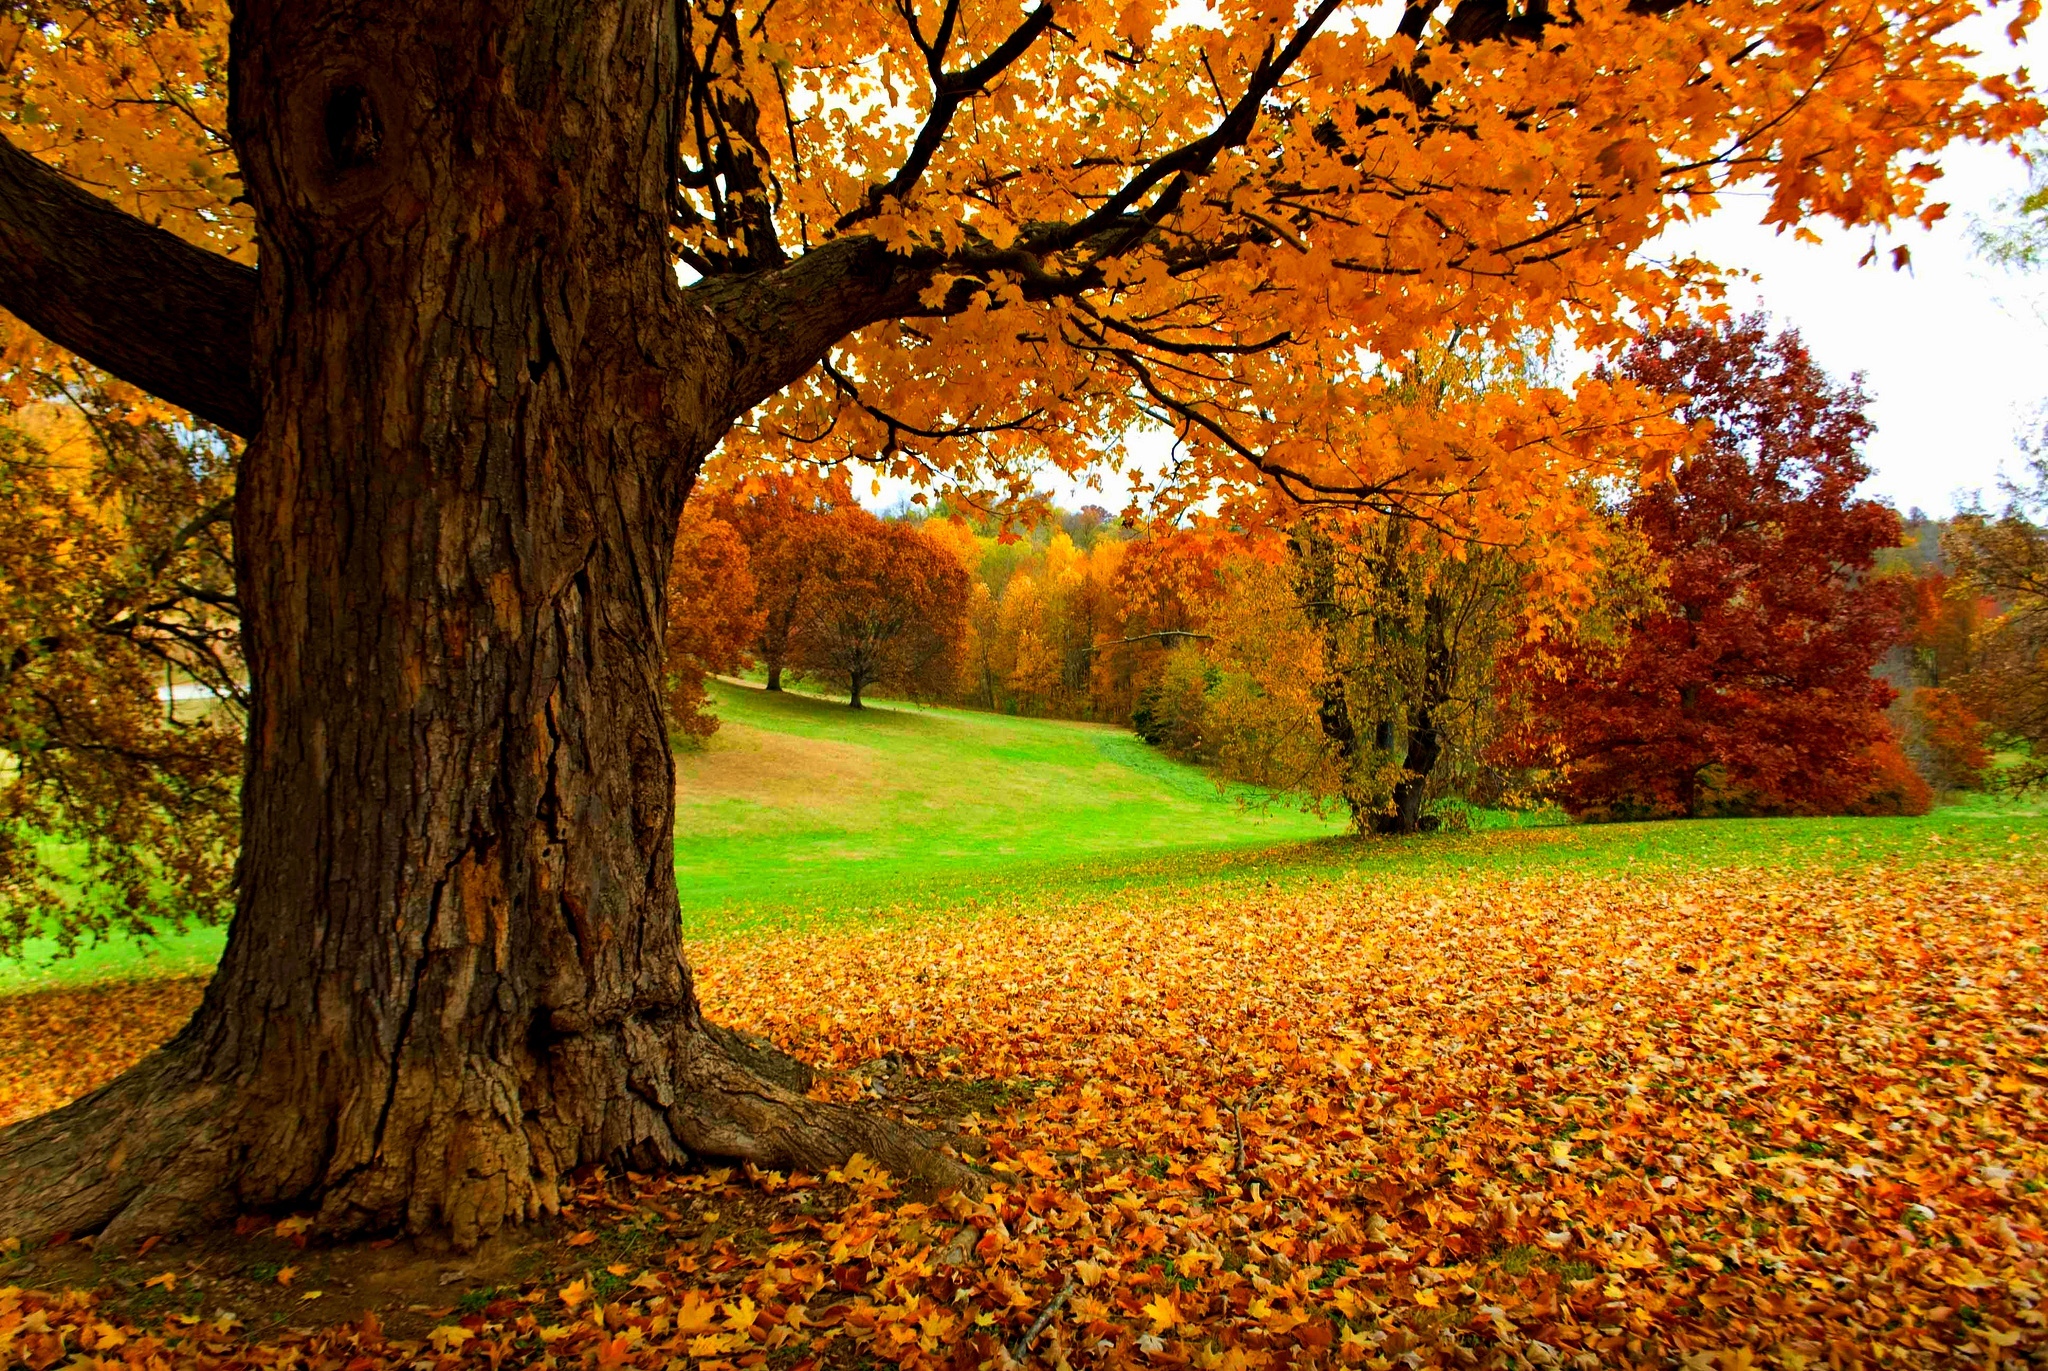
(853,691)
(140,302)
(1425,738)
(1315,590)
(455,967)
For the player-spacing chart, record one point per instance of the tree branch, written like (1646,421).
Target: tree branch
(1192,159)
(1164,635)
(950,90)
(128,298)
(782,322)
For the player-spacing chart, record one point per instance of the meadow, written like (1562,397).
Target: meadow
(1715,1094)
(802,813)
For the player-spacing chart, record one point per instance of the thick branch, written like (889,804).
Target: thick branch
(1195,158)
(137,301)
(782,322)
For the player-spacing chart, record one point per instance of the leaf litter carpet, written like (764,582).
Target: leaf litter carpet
(1717,1121)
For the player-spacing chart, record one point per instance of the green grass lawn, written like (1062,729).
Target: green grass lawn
(802,812)
(801,804)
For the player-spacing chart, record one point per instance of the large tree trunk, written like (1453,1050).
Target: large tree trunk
(455,967)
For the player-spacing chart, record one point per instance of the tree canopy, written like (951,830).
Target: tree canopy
(976,239)
(1748,688)
(883,605)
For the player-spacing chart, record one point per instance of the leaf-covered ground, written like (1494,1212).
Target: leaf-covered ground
(1718,1121)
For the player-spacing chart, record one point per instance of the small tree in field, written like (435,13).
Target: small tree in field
(1750,687)
(883,605)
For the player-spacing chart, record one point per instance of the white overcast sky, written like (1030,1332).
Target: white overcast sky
(1952,351)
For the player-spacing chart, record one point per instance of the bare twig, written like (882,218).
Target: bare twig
(1237,1168)
(1045,1317)
(1164,633)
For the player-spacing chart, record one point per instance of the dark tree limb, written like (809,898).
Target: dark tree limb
(1164,635)
(129,298)
(950,90)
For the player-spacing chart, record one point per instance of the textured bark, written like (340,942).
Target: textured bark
(455,968)
(1315,589)
(1425,739)
(140,302)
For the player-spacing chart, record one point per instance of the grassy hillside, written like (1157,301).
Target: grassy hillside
(800,804)
(802,812)
(800,807)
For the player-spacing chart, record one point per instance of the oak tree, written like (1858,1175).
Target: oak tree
(1749,688)
(425,261)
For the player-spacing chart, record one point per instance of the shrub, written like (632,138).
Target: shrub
(1173,713)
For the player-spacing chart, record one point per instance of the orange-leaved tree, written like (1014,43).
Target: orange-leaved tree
(425,261)
(713,617)
(883,606)
(118,585)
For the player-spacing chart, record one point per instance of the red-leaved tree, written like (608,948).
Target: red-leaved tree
(776,517)
(1749,688)
(881,605)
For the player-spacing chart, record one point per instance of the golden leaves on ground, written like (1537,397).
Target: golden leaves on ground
(1588,1118)
(60,1044)
(1736,1119)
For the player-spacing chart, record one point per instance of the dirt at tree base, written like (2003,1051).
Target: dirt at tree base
(267,1279)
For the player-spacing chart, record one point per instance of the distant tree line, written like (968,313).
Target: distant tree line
(1754,637)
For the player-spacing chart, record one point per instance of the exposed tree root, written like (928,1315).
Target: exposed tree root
(144,1154)
(162,1151)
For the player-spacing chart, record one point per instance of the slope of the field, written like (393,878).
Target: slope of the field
(800,808)
(799,805)
(803,814)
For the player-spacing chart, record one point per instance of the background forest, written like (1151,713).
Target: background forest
(1751,638)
